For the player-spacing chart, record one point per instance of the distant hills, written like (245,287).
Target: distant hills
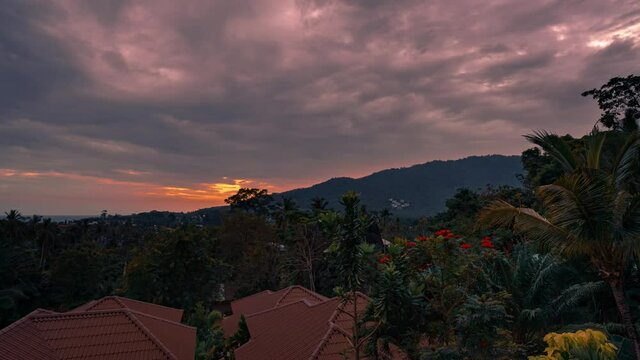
(417,190)
(412,191)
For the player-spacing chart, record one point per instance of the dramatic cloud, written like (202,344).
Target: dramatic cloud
(133,105)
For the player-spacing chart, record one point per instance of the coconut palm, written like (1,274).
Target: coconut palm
(590,211)
(14,222)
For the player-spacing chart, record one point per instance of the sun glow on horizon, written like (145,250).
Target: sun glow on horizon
(148,194)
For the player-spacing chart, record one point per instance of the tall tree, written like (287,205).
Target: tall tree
(351,250)
(590,211)
(619,100)
(13,224)
(176,269)
(253,200)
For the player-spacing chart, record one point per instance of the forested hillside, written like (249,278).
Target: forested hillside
(418,190)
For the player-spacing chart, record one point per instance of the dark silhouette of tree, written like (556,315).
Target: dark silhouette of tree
(253,200)
(351,251)
(619,100)
(319,204)
(176,269)
(14,224)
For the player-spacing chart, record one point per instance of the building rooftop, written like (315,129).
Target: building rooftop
(104,329)
(266,300)
(300,325)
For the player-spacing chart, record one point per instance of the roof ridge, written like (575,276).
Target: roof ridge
(332,328)
(119,298)
(97,302)
(342,303)
(22,320)
(256,294)
(159,318)
(290,288)
(304,301)
(100,311)
(149,334)
(79,313)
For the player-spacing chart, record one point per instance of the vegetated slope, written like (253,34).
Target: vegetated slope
(420,189)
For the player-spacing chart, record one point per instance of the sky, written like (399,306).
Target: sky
(131,105)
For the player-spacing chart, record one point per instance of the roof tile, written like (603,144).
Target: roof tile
(109,328)
(266,300)
(303,326)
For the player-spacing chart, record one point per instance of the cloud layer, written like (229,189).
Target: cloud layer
(162,94)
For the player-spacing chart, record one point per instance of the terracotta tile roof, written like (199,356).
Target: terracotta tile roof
(289,332)
(335,345)
(171,334)
(22,340)
(297,293)
(304,329)
(117,302)
(119,333)
(265,300)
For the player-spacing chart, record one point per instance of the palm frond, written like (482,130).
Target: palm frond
(624,166)
(531,314)
(581,204)
(544,273)
(573,295)
(523,221)
(555,147)
(593,151)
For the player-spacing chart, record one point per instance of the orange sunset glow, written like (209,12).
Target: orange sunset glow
(146,194)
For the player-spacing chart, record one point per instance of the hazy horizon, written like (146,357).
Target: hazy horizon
(95,213)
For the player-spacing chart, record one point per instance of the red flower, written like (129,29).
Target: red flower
(458,236)
(411,244)
(465,246)
(486,242)
(443,232)
(385,259)
(449,236)
(422,238)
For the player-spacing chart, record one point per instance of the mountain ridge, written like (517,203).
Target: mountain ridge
(411,191)
(416,190)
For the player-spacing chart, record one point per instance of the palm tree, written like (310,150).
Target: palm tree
(14,219)
(543,290)
(590,211)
